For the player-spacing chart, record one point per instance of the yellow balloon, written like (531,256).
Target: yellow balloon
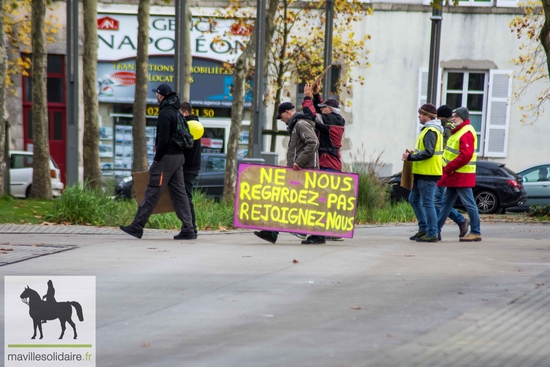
(196,129)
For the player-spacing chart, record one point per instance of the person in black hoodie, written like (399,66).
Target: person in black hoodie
(192,164)
(166,170)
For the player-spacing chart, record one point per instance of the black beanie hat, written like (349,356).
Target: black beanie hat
(444,111)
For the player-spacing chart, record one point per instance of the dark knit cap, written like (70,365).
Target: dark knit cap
(428,109)
(462,112)
(444,111)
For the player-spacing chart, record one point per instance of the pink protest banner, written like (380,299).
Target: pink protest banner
(305,201)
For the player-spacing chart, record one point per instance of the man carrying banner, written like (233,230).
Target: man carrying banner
(302,153)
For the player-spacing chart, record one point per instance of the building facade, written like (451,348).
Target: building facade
(475,70)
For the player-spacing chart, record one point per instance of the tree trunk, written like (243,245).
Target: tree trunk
(3,59)
(545,33)
(90,143)
(140,163)
(186,92)
(237,109)
(41,181)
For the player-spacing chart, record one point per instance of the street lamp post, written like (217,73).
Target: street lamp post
(259,82)
(433,68)
(179,57)
(72,150)
(329,25)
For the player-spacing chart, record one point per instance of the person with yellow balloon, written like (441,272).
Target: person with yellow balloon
(192,164)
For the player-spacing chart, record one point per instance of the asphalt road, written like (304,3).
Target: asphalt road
(232,300)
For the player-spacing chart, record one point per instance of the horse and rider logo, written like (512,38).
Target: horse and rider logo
(46,308)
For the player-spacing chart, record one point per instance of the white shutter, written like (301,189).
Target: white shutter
(422,94)
(423,90)
(498,113)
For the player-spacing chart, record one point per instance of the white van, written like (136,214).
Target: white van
(21,175)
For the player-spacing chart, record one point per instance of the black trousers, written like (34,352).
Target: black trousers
(190,177)
(166,173)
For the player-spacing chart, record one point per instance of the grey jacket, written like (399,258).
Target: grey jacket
(303,144)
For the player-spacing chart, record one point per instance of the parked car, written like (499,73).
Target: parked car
(21,175)
(210,179)
(497,188)
(536,181)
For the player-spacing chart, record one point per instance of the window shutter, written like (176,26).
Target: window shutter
(498,113)
(422,93)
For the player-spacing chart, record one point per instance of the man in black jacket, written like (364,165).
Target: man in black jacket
(166,170)
(192,164)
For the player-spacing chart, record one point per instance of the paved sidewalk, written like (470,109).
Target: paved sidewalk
(229,299)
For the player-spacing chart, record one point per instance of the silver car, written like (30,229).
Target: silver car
(536,181)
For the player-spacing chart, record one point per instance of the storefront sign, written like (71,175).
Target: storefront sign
(304,201)
(213,38)
(211,83)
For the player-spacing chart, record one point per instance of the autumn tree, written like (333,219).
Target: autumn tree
(90,143)
(17,19)
(185,94)
(140,163)
(241,70)
(296,56)
(2,96)
(534,59)
(41,181)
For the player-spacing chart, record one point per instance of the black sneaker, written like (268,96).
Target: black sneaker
(314,240)
(427,239)
(417,234)
(137,233)
(186,236)
(267,236)
(439,236)
(464,227)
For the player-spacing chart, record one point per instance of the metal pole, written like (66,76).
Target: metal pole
(259,82)
(433,68)
(179,58)
(329,25)
(72,93)
(7,180)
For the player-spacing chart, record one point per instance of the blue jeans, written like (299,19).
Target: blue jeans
(421,199)
(453,215)
(466,195)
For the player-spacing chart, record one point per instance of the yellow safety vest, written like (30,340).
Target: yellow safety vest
(452,150)
(434,165)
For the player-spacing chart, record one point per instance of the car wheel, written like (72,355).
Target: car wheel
(487,202)
(28,191)
(501,210)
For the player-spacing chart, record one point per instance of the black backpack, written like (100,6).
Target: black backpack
(181,136)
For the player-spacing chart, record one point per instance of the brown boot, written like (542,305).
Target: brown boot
(464,227)
(471,237)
